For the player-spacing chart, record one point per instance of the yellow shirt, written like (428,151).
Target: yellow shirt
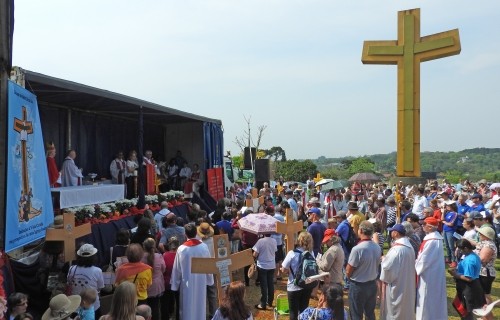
(142,282)
(356,220)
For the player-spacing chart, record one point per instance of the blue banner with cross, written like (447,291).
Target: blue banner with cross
(28,202)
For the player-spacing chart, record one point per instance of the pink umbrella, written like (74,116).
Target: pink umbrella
(258,223)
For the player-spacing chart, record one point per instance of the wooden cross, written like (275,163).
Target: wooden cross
(256,201)
(407,53)
(68,234)
(223,264)
(24,127)
(290,229)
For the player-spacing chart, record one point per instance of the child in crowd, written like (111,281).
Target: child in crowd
(86,310)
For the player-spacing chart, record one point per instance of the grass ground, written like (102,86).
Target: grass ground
(253,296)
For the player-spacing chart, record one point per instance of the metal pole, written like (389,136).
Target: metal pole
(141,202)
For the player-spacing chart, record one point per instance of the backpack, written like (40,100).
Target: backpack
(351,240)
(307,268)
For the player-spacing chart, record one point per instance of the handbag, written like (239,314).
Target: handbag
(109,275)
(459,307)
(252,271)
(69,285)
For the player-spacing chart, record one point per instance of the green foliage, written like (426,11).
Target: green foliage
(295,170)
(336,173)
(238,161)
(473,164)
(361,165)
(454,176)
(275,153)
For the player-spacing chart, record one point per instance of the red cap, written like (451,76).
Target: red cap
(328,234)
(432,221)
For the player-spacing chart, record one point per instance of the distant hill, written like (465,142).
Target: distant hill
(474,163)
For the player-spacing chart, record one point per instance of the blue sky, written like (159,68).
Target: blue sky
(294,66)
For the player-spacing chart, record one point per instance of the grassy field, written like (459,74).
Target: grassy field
(253,296)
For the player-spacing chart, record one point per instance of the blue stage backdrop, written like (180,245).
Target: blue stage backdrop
(29,203)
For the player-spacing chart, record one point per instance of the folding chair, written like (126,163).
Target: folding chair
(281,307)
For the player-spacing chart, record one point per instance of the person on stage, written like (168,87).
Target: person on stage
(118,168)
(54,175)
(70,174)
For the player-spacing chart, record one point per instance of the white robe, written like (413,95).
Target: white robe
(398,272)
(70,173)
(192,286)
(431,287)
(115,167)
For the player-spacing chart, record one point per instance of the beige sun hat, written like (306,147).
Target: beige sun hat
(488,232)
(61,306)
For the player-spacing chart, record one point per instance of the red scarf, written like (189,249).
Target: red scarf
(130,269)
(192,242)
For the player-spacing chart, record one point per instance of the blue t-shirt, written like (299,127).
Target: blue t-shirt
(450,217)
(86,314)
(462,210)
(470,266)
(317,231)
(343,232)
(293,204)
(478,208)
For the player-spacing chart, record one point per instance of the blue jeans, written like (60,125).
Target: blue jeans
(362,299)
(449,241)
(266,286)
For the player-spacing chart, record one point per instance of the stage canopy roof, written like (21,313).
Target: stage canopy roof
(64,93)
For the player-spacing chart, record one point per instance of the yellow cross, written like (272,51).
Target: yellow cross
(318,178)
(407,53)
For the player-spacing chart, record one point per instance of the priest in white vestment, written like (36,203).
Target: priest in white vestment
(192,286)
(70,174)
(431,285)
(398,275)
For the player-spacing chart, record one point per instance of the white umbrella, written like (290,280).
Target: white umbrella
(495,185)
(258,223)
(322,182)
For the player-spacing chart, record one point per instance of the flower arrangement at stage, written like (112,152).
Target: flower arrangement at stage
(113,210)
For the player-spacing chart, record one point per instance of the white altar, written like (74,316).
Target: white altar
(89,194)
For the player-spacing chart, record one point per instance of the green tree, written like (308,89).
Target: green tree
(361,165)
(238,161)
(276,154)
(454,176)
(336,173)
(295,170)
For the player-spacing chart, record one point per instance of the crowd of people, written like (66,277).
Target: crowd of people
(346,231)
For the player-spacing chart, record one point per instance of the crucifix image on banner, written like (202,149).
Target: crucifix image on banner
(25,128)
(28,200)
(407,52)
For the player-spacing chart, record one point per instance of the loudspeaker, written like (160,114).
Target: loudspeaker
(262,170)
(247,160)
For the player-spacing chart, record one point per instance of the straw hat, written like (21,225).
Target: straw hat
(61,306)
(488,232)
(205,230)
